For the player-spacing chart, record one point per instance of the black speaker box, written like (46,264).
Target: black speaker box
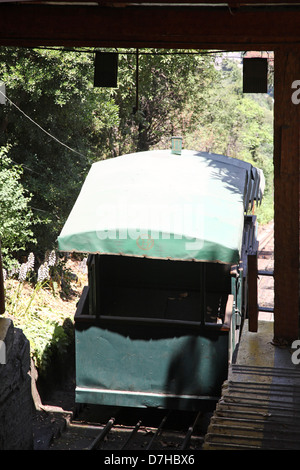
(255,75)
(106,69)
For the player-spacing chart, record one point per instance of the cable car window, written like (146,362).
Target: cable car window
(131,287)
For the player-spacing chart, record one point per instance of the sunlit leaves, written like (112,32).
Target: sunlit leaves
(16,217)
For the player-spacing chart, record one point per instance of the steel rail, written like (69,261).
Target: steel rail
(133,433)
(129,442)
(158,431)
(102,435)
(188,436)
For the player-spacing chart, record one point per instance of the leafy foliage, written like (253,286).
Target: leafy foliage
(148,112)
(54,90)
(16,217)
(221,119)
(26,303)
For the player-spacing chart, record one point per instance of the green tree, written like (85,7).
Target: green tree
(166,79)
(16,217)
(224,120)
(54,89)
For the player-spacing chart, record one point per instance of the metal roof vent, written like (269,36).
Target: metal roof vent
(176,145)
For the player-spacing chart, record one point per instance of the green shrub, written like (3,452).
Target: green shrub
(16,217)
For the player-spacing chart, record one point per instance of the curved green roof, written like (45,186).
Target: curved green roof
(160,205)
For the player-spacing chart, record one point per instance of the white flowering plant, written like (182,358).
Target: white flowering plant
(25,306)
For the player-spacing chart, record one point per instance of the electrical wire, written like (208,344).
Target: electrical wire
(131,52)
(40,127)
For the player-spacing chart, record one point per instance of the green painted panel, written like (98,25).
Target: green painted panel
(160,205)
(172,368)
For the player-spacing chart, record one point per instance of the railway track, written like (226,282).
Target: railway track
(265,273)
(265,240)
(99,428)
(132,430)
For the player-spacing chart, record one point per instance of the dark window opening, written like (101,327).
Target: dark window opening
(123,286)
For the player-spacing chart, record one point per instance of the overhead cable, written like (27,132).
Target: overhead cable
(40,127)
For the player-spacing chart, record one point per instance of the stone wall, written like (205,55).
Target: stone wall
(16,404)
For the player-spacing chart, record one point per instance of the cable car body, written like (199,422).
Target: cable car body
(167,238)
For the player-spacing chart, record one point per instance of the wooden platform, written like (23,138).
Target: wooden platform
(260,403)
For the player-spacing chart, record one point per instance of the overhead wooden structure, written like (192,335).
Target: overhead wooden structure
(250,25)
(134,24)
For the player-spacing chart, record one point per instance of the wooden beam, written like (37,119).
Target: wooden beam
(252,291)
(286,194)
(29,24)
(120,3)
